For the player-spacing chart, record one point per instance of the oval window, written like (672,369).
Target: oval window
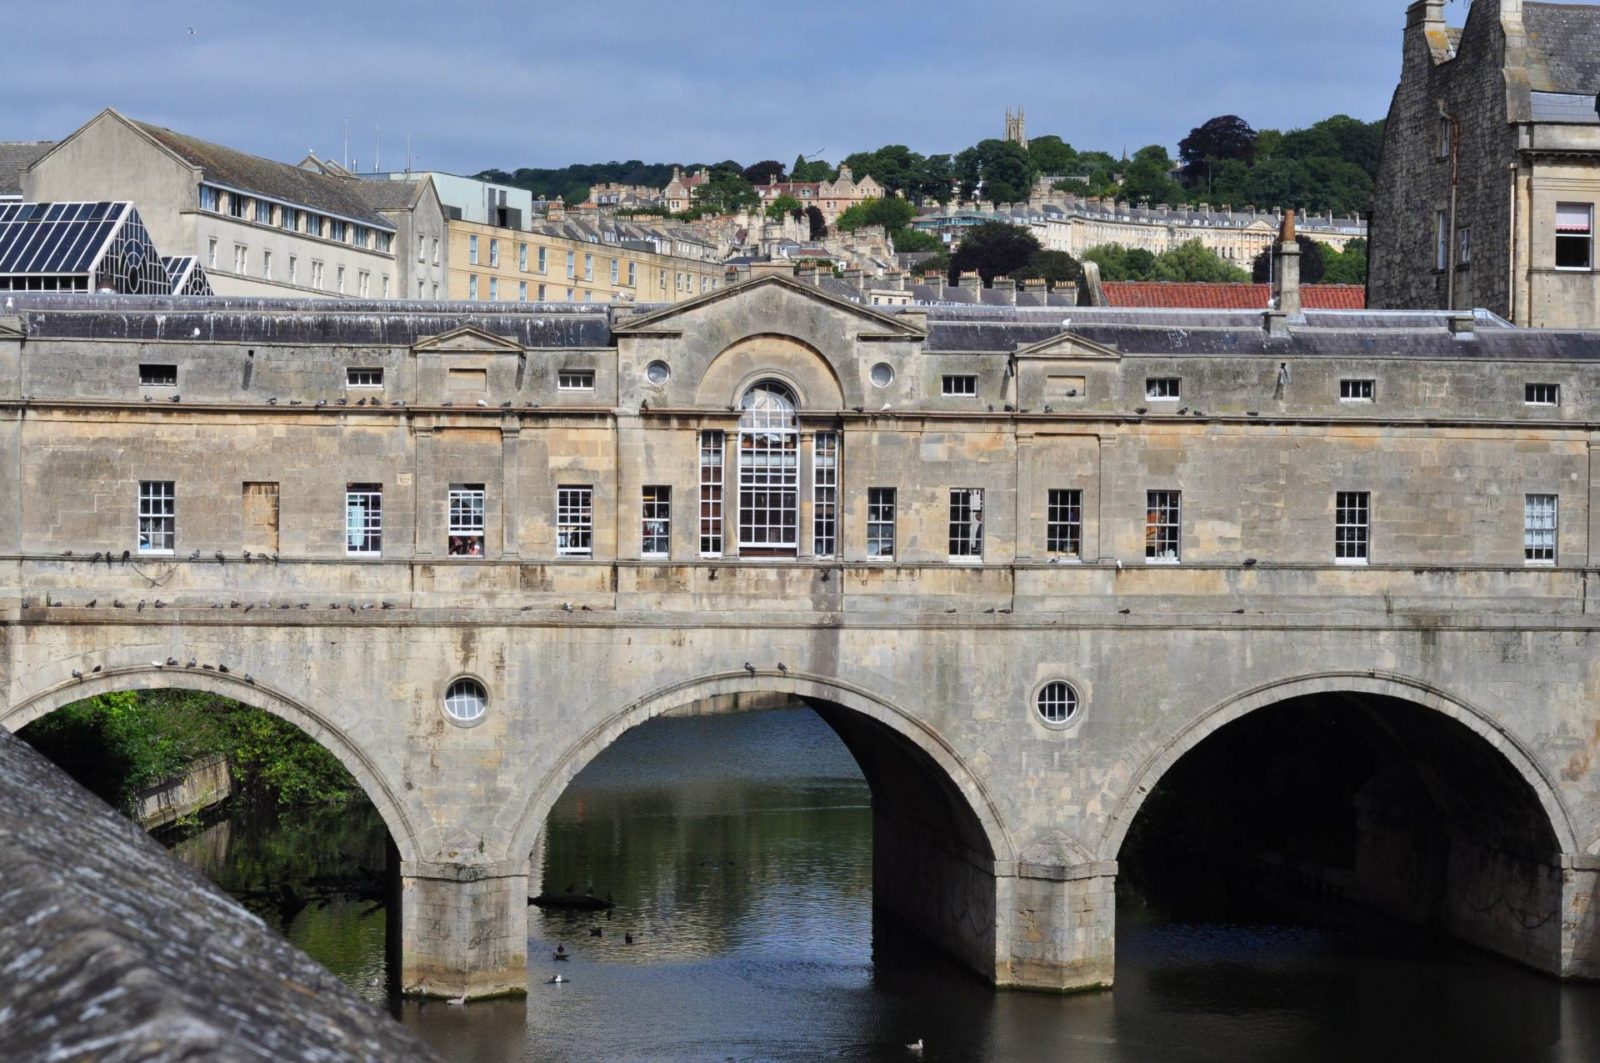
(466,701)
(882,375)
(658,373)
(1057,703)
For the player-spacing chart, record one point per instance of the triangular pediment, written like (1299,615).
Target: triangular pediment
(674,319)
(1069,346)
(466,339)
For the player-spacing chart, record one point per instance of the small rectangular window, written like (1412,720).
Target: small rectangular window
(363,520)
(575,521)
(209,198)
(1444,138)
(575,380)
(1064,524)
(712,444)
(588,267)
(1539,525)
(1463,247)
(472,250)
(1541,394)
(466,520)
(363,377)
(472,287)
(337,230)
(966,523)
(656,532)
(494,253)
(522,291)
(544,260)
(494,289)
(1352,527)
(825,495)
(266,265)
(572,265)
(1163,388)
(158,516)
(1355,390)
(289,218)
(522,257)
(1163,526)
(263,212)
(880,522)
(616,275)
(962,385)
(158,376)
(1574,235)
(1441,240)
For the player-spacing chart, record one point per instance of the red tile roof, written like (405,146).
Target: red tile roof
(1174,294)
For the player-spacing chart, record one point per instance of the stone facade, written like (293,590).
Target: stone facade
(1491,137)
(926,634)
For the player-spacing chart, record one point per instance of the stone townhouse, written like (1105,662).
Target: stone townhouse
(1490,170)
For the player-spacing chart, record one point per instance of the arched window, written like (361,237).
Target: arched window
(769,472)
(466,701)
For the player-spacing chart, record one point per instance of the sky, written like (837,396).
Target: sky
(497,83)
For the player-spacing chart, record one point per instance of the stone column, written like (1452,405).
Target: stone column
(1058,930)
(464,929)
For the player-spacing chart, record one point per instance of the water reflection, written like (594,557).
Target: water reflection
(738,852)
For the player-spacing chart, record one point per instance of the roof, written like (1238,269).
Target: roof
(390,195)
(1563,47)
(1172,294)
(273,180)
(16,156)
(56,239)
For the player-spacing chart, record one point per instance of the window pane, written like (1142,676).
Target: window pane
(880,522)
(1351,525)
(575,521)
(1064,524)
(1163,525)
(966,522)
(363,518)
(656,534)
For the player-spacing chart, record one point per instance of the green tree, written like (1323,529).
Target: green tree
(1313,264)
(1193,261)
(1052,155)
(784,204)
(1148,177)
(1348,266)
(993,249)
(1007,171)
(762,172)
(892,214)
(968,166)
(803,172)
(1053,267)
(908,240)
(1118,263)
(935,179)
(1225,137)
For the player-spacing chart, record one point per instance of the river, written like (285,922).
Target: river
(738,852)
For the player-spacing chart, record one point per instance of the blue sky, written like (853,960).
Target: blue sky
(498,83)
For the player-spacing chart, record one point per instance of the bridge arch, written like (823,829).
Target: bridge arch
(939,841)
(1381,684)
(403,826)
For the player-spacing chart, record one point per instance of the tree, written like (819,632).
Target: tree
(727,192)
(935,179)
(1052,155)
(1053,267)
(1348,266)
(1225,137)
(993,249)
(968,173)
(892,214)
(803,172)
(763,171)
(783,205)
(907,241)
(1193,261)
(1313,265)
(1148,177)
(893,166)
(1006,171)
(1118,263)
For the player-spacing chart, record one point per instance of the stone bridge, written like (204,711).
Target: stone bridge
(1014,684)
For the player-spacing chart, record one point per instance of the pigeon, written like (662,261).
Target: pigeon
(77,674)
(195,556)
(97,668)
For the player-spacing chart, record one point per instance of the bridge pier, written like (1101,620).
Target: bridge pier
(1060,931)
(1580,918)
(464,930)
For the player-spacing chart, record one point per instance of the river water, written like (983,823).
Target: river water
(738,852)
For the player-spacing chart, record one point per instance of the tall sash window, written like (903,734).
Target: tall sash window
(769,472)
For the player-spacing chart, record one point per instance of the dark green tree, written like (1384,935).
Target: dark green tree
(761,172)
(1053,267)
(1148,177)
(1313,266)
(1053,156)
(892,214)
(1224,137)
(1007,171)
(935,180)
(1348,266)
(993,249)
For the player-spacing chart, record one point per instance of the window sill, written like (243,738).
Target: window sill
(1540,564)
(1350,562)
(1162,561)
(363,556)
(155,553)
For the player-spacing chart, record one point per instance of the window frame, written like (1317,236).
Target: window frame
(966,525)
(1531,530)
(1163,388)
(1057,696)
(574,379)
(149,372)
(1347,385)
(369,530)
(655,518)
(363,377)
(825,495)
(959,385)
(1352,528)
(882,519)
(1063,534)
(713,491)
(1531,392)
(575,520)
(768,515)
(1163,527)
(157,517)
(466,519)
(1586,238)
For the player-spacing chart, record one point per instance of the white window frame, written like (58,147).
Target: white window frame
(472,287)
(294,269)
(959,385)
(825,495)
(494,289)
(1163,388)
(363,377)
(966,524)
(1163,527)
(588,267)
(466,519)
(881,523)
(364,284)
(241,259)
(522,257)
(472,249)
(575,380)
(1057,703)
(266,264)
(466,702)
(1063,524)
(655,530)
(156,375)
(544,260)
(211,253)
(572,266)
(157,527)
(1352,527)
(769,472)
(1541,529)
(1358,389)
(522,291)
(1541,394)
(494,253)
(363,520)
(713,487)
(1566,231)
(575,520)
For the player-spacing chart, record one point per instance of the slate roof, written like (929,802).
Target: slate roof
(389,195)
(275,180)
(1563,47)
(16,156)
(1172,294)
(1563,107)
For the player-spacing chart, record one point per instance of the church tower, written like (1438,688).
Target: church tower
(1017,126)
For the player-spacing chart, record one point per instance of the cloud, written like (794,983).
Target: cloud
(506,84)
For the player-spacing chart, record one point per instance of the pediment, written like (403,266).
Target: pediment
(11,328)
(676,319)
(466,339)
(1069,347)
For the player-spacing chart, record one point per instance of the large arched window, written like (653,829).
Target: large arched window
(769,472)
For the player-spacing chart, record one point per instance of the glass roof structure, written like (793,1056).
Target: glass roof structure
(187,275)
(78,247)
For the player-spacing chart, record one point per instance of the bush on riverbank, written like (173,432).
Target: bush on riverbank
(119,744)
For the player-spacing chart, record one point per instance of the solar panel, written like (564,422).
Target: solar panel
(78,246)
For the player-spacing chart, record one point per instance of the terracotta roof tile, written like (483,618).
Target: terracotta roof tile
(1177,295)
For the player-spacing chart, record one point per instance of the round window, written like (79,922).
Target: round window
(882,375)
(1057,703)
(658,373)
(466,701)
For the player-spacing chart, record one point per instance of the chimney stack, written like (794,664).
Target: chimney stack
(971,282)
(1007,288)
(1286,270)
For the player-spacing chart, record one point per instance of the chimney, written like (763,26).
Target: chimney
(971,282)
(1426,15)
(1286,270)
(1068,291)
(1007,288)
(855,278)
(934,280)
(1463,325)
(807,274)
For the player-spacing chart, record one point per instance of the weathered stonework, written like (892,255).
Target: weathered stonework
(997,834)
